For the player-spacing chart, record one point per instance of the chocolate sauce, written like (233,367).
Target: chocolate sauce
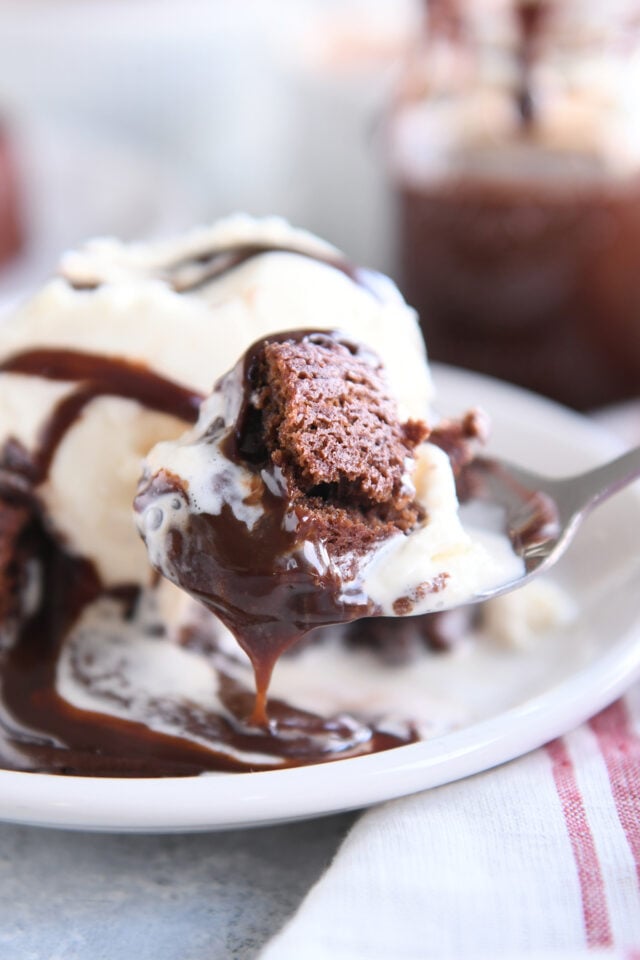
(190,274)
(98,376)
(402,640)
(531,283)
(113,376)
(40,731)
(531,17)
(249,579)
(447,20)
(258,581)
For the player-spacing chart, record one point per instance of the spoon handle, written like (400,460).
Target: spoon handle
(596,486)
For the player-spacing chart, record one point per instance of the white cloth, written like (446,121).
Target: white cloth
(538,859)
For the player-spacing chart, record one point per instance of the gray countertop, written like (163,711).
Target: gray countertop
(81,896)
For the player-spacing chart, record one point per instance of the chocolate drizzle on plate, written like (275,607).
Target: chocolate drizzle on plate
(40,731)
(49,592)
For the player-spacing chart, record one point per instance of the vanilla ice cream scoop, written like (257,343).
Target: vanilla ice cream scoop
(180,312)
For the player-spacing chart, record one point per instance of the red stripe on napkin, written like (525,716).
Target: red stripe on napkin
(620,748)
(594,901)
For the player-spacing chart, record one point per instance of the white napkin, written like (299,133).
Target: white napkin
(540,858)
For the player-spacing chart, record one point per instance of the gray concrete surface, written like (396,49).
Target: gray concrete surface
(217,896)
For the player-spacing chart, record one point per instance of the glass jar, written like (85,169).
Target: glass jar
(515,158)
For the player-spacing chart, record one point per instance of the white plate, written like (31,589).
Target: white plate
(600,659)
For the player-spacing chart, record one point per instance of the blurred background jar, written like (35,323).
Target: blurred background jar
(515,158)
(140,118)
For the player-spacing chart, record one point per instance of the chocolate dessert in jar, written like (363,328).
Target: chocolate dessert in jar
(515,156)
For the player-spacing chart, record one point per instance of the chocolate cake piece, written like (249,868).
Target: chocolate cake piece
(329,424)
(461,438)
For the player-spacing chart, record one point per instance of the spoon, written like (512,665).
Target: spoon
(539,514)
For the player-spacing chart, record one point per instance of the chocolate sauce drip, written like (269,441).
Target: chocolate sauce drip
(193,273)
(39,731)
(109,375)
(218,263)
(98,376)
(531,17)
(446,20)
(250,580)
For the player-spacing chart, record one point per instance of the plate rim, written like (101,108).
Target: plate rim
(219,801)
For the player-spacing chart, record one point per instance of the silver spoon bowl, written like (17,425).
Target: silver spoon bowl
(540,515)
